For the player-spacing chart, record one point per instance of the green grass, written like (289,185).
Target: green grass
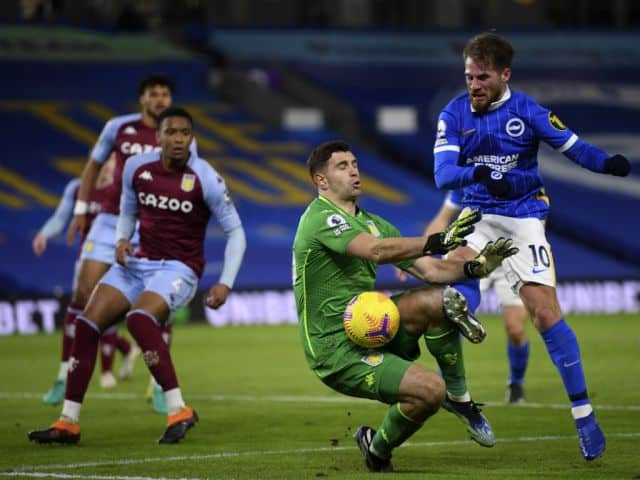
(265,415)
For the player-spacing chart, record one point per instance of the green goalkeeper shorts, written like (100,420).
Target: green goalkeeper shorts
(371,373)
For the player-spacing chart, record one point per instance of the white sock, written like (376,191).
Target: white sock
(62,372)
(71,411)
(461,398)
(174,400)
(581,411)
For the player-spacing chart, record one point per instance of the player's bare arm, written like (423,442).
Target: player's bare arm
(39,244)
(123,248)
(217,295)
(81,208)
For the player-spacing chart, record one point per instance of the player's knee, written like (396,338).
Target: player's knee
(431,310)
(433,393)
(80,296)
(545,316)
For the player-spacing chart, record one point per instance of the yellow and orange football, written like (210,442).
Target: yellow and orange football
(371,319)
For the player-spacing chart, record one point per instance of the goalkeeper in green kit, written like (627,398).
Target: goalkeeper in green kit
(335,255)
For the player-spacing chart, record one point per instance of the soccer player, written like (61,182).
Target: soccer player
(173,194)
(111,340)
(487,144)
(125,135)
(513,311)
(336,250)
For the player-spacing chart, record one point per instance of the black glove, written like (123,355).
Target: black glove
(495,182)
(453,235)
(617,165)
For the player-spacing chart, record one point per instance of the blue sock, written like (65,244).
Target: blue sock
(518,360)
(471,290)
(563,348)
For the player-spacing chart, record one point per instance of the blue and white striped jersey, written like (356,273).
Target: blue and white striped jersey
(505,138)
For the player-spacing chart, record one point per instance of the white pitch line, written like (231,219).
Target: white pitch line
(88,477)
(306,399)
(215,456)
(563,406)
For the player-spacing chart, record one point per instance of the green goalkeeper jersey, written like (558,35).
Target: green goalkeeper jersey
(325,278)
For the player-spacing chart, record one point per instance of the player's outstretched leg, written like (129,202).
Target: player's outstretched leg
(55,395)
(445,345)
(154,393)
(81,365)
(145,331)
(564,351)
(458,312)
(364,438)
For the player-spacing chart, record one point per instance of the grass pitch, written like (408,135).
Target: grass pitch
(265,415)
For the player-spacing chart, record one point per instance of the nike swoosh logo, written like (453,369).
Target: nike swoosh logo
(535,271)
(468,132)
(566,365)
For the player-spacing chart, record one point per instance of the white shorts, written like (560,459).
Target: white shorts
(505,293)
(533,263)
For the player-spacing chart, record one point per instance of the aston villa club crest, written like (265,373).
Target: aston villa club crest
(188,181)
(373,229)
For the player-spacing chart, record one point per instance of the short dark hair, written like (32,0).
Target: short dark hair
(153,79)
(491,49)
(174,112)
(322,153)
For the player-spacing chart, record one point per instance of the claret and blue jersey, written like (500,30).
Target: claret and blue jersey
(174,207)
(506,139)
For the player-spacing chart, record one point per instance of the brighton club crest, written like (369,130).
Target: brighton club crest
(188,181)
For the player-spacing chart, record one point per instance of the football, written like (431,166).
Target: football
(371,319)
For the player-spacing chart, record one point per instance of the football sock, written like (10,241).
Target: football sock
(62,371)
(70,411)
(108,348)
(148,336)
(174,400)
(69,330)
(518,360)
(446,346)
(564,351)
(395,429)
(470,289)
(83,359)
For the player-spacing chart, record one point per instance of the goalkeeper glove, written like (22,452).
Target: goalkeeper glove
(496,182)
(453,235)
(617,165)
(490,258)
